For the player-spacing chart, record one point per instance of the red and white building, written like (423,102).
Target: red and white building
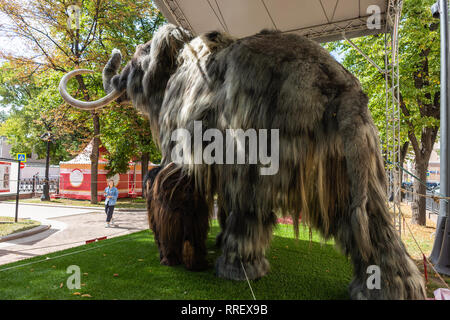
(75,177)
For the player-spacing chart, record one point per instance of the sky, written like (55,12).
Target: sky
(12,45)
(7,45)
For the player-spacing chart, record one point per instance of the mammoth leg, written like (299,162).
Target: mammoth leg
(366,232)
(196,226)
(389,273)
(222,218)
(170,256)
(159,245)
(244,241)
(171,237)
(194,256)
(170,252)
(163,223)
(154,228)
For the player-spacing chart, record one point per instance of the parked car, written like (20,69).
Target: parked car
(432,185)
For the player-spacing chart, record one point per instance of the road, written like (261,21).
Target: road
(70,227)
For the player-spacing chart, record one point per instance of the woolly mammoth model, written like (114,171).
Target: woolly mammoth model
(325,163)
(178,216)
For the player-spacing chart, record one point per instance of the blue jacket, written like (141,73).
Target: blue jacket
(111,192)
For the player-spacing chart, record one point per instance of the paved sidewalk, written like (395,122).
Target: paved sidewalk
(39,213)
(69,230)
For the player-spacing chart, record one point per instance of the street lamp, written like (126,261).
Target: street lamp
(46,190)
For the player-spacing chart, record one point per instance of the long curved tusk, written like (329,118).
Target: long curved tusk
(85,105)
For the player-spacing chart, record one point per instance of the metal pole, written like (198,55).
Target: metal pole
(46,193)
(17,193)
(440,254)
(362,53)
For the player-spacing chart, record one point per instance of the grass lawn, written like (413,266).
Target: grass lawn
(300,270)
(135,203)
(423,234)
(21,225)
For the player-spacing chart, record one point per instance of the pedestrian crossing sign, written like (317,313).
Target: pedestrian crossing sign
(22,157)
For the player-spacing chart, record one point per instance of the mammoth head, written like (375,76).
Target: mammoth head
(144,78)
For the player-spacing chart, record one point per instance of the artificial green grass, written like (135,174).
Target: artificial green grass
(299,270)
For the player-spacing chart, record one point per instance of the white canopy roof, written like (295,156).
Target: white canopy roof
(84,157)
(322,20)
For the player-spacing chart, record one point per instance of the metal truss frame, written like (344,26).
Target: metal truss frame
(392,143)
(330,31)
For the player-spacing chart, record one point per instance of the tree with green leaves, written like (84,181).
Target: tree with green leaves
(419,63)
(55,48)
(40,113)
(127,136)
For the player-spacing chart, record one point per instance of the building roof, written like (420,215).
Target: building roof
(322,20)
(84,157)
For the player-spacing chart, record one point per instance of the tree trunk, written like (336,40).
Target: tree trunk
(144,169)
(144,161)
(403,153)
(94,158)
(419,216)
(95,146)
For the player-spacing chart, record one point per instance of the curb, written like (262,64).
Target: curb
(130,210)
(25,233)
(79,207)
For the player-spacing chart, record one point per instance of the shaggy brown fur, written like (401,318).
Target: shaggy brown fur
(330,164)
(178,217)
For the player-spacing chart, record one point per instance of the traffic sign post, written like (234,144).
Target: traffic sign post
(22,157)
(19,165)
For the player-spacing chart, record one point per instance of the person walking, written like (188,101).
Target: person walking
(111,193)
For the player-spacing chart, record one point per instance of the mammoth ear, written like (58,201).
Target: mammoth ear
(166,45)
(161,63)
(204,45)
